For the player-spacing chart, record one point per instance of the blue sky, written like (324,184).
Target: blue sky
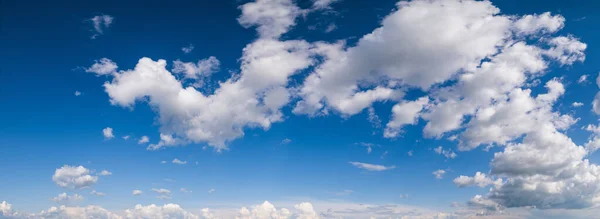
(337,104)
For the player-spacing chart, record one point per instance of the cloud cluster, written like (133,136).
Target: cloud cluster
(472,63)
(74,177)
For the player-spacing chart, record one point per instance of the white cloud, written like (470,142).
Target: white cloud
(63,197)
(577,104)
(532,24)
(77,93)
(458,37)
(480,179)
(323,4)
(272,18)
(108,133)
(73,177)
(582,79)
(203,69)
(404,113)
(286,141)
(100,24)
(596,102)
(144,139)
(162,191)
(103,66)
(446,153)
(263,211)
(136,192)
(126,137)
(187,49)
(157,211)
(371,167)
(439,174)
(253,99)
(94,192)
(177,161)
(105,173)
(90,211)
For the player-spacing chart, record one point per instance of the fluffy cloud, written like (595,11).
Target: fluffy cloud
(484,59)
(251,99)
(136,192)
(204,68)
(577,104)
(439,174)
(154,211)
(371,167)
(63,197)
(105,173)
(272,18)
(459,35)
(480,179)
(404,113)
(448,153)
(177,161)
(103,66)
(108,133)
(74,177)
(144,139)
(100,24)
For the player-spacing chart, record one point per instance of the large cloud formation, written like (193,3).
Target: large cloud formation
(473,63)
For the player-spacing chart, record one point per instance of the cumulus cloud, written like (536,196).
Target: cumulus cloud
(446,153)
(371,167)
(439,174)
(480,179)
(63,197)
(203,69)
(136,192)
(157,211)
(177,161)
(144,139)
(74,177)
(485,61)
(108,133)
(577,104)
(404,113)
(100,24)
(272,18)
(105,173)
(253,98)
(103,66)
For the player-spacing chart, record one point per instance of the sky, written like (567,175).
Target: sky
(299,109)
